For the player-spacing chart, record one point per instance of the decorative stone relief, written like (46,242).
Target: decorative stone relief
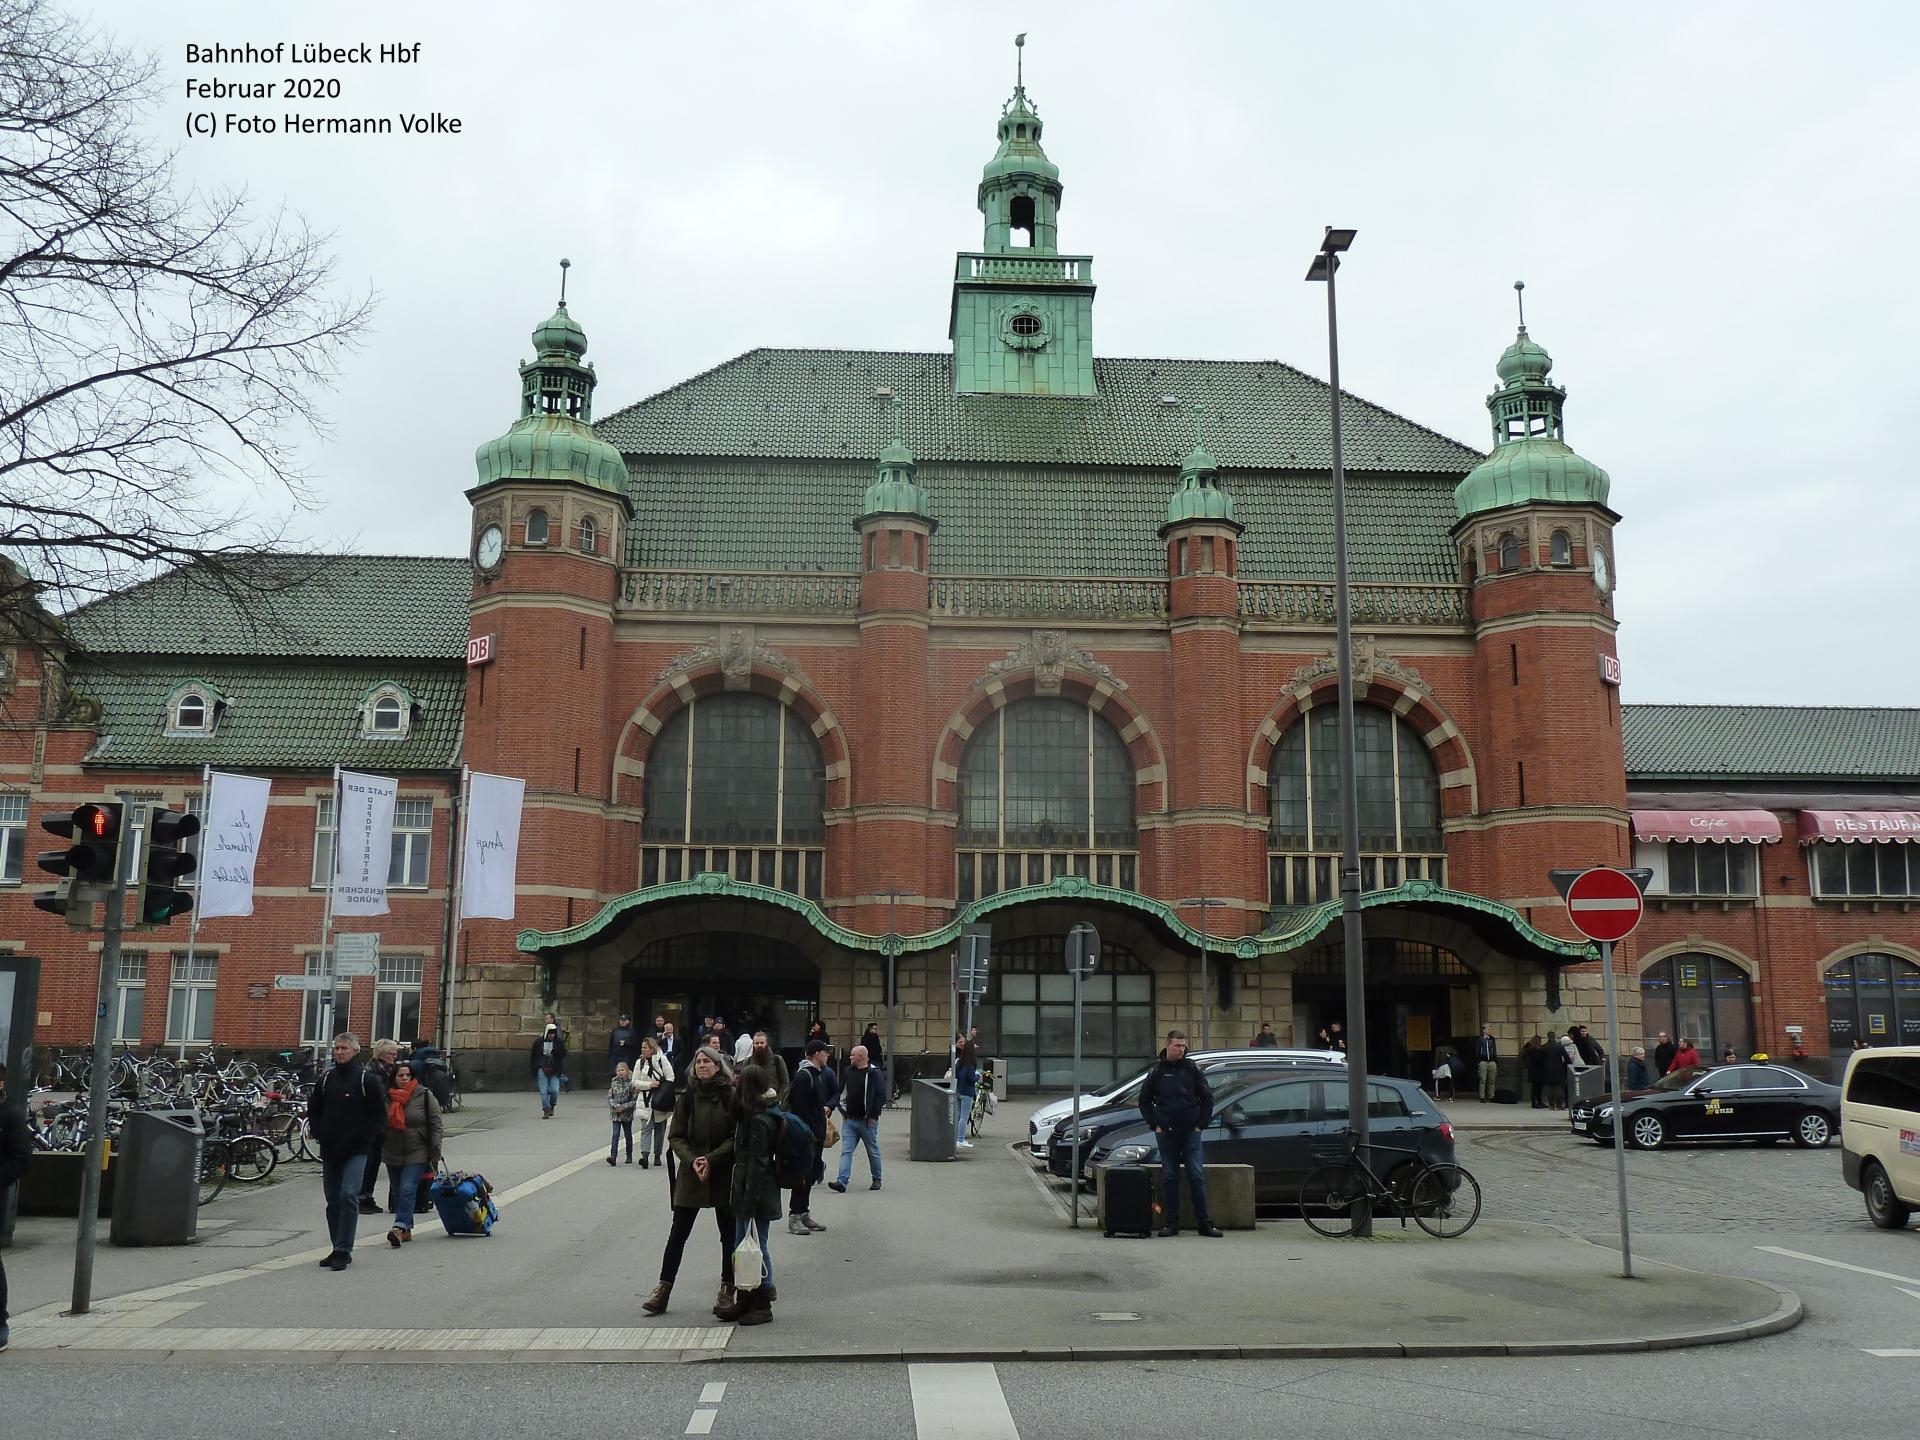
(736,652)
(1047,653)
(1367,663)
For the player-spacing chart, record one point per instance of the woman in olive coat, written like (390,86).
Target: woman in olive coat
(756,1189)
(700,1138)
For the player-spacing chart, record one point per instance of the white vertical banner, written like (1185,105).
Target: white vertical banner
(363,843)
(491,853)
(236,818)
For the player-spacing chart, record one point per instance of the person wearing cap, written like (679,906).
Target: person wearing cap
(548,1054)
(623,1044)
(806,1097)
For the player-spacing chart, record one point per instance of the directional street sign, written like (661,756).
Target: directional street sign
(356,955)
(976,946)
(1604,904)
(299,982)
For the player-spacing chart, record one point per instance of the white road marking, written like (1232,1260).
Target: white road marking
(959,1402)
(1896,1354)
(701,1423)
(713,1394)
(1838,1264)
(1915,1293)
(89,1333)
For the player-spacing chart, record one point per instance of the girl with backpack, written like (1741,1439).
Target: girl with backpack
(755,1188)
(701,1140)
(653,1078)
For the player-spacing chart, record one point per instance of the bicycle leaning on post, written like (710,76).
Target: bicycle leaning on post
(1444,1200)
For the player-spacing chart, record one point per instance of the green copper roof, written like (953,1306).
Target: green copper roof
(277,715)
(1019,152)
(1825,742)
(560,334)
(1198,495)
(1525,359)
(550,448)
(821,404)
(400,607)
(894,490)
(1531,460)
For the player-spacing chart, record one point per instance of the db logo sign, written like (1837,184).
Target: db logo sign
(479,649)
(1609,669)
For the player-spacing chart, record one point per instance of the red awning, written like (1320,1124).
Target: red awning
(1721,827)
(1881,827)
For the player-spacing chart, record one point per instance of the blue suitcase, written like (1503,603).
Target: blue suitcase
(465,1203)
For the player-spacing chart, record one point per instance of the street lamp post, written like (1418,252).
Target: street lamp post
(1205,903)
(1325,262)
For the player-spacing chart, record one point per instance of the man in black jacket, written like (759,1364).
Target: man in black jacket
(864,1097)
(1176,1102)
(16,1148)
(1663,1054)
(623,1044)
(806,1097)
(347,1112)
(1486,1056)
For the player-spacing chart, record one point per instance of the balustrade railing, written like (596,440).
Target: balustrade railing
(1025,269)
(1310,602)
(1079,597)
(774,592)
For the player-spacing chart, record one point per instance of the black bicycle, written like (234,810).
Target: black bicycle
(1444,1200)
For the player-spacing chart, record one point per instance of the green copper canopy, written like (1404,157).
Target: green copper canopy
(1531,460)
(554,438)
(894,490)
(1199,496)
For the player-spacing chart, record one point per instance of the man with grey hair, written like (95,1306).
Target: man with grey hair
(347,1114)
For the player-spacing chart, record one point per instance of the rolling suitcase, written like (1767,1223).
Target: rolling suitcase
(465,1203)
(1127,1194)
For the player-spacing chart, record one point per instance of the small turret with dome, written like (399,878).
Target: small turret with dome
(1199,496)
(553,440)
(1531,460)
(894,490)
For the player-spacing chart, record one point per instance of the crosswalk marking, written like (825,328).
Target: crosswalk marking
(1838,1264)
(959,1402)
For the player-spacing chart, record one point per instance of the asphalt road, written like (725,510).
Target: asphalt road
(1778,1214)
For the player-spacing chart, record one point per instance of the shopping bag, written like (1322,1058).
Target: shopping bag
(747,1273)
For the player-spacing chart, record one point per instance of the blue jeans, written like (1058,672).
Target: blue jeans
(1176,1146)
(766,1255)
(549,1089)
(403,1183)
(966,1109)
(340,1183)
(866,1132)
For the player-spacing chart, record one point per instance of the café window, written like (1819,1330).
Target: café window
(1713,871)
(1865,872)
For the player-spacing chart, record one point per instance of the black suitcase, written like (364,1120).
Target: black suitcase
(1128,1193)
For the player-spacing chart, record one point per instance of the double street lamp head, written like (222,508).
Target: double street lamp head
(1326,259)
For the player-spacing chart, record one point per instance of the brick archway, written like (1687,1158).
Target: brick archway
(672,695)
(1136,732)
(1445,742)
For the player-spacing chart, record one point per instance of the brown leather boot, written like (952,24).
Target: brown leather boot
(656,1303)
(730,1304)
(758,1309)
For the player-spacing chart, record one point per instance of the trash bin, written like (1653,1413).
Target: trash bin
(1586,1082)
(156,1183)
(999,1079)
(931,1129)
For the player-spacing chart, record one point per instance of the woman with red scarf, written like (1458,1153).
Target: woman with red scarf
(414,1128)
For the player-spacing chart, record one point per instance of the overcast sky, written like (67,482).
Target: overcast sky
(1714,208)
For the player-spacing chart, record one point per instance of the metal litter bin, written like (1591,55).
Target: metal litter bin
(1586,1082)
(156,1181)
(931,1130)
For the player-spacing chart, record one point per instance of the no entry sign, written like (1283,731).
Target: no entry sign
(1604,904)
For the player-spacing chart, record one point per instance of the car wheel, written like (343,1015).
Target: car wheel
(1812,1131)
(1647,1132)
(1884,1208)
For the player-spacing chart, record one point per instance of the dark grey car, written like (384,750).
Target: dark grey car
(1286,1127)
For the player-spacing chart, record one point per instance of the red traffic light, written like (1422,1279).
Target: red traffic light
(93,822)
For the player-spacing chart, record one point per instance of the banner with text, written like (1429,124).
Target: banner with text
(492,849)
(363,843)
(230,843)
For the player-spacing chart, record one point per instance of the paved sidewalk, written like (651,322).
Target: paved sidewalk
(973,1258)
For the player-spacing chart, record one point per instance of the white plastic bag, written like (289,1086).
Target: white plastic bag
(747,1273)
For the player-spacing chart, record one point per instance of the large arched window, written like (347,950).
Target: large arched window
(1703,997)
(735,784)
(1399,795)
(1872,997)
(1046,789)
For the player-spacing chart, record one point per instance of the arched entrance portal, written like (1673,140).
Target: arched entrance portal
(1026,1018)
(1419,996)
(743,978)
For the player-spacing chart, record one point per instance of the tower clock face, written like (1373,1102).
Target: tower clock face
(487,550)
(1602,577)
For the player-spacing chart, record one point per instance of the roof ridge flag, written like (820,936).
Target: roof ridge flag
(363,843)
(236,819)
(490,850)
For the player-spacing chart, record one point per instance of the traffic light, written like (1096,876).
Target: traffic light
(86,866)
(159,901)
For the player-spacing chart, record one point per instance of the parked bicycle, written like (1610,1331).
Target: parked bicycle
(1444,1200)
(983,1105)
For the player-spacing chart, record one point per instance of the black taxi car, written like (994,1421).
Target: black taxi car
(1740,1102)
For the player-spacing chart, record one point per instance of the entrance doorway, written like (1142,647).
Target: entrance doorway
(1419,997)
(746,980)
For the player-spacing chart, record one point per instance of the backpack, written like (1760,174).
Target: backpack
(793,1149)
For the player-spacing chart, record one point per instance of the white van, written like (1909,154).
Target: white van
(1880,1131)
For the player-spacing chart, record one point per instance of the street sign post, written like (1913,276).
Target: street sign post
(1606,904)
(356,955)
(299,982)
(976,949)
(1083,953)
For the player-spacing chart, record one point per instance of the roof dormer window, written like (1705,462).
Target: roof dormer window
(386,713)
(193,710)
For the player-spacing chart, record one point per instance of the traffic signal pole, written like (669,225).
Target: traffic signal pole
(96,1158)
(1619,1108)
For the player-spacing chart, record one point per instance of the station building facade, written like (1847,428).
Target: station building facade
(820,656)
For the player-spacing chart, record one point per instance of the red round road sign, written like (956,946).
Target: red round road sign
(1604,904)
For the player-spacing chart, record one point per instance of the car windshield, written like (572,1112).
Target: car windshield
(1679,1079)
